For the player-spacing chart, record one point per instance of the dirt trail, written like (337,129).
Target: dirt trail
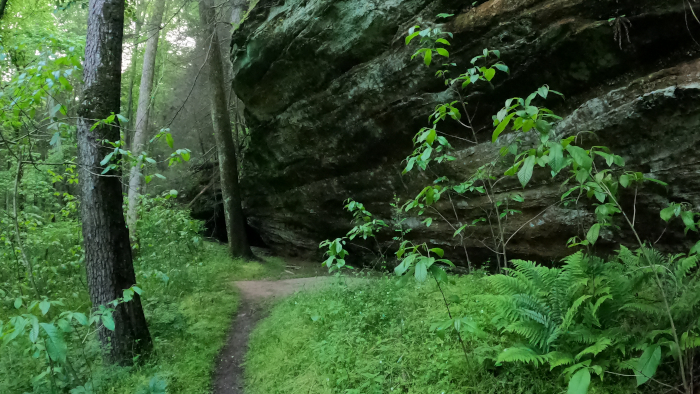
(228,377)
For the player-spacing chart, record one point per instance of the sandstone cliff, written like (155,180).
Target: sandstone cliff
(333,100)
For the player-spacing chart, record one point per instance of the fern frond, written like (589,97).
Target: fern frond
(557,359)
(536,333)
(627,258)
(529,302)
(689,341)
(522,355)
(684,266)
(506,285)
(571,313)
(595,349)
(583,335)
(648,309)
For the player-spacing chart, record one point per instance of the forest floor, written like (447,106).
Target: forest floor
(255,296)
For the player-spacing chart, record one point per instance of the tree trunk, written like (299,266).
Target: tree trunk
(108,259)
(228,165)
(134,54)
(141,128)
(3,4)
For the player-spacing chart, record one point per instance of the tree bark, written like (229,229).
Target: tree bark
(108,259)
(3,5)
(134,54)
(228,164)
(141,127)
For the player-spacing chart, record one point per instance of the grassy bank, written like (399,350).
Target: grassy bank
(376,338)
(188,298)
(190,329)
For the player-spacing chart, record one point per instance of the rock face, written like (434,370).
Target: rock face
(333,100)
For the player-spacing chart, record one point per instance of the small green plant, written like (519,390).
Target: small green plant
(365,226)
(421,262)
(42,333)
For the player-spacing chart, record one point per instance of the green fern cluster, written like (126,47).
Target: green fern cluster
(597,315)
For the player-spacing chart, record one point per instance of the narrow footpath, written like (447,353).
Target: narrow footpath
(229,373)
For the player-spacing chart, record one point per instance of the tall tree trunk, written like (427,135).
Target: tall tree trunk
(108,259)
(141,14)
(3,4)
(145,91)
(228,164)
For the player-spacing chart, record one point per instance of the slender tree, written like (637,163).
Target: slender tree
(141,126)
(3,5)
(228,164)
(108,259)
(140,16)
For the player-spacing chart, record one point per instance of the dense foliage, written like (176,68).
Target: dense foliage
(626,317)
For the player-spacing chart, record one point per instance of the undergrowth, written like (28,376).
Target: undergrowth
(187,295)
(190,329)
(375,337)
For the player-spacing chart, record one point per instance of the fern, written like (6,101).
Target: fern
(596,314)
(557,359)
(522,355)
(595,349)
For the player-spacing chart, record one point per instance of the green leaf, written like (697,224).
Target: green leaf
(122,119)
(667,213)
(64,82)
(696,248)
(18,303)
(580,156)
(411,37)
(556,157)
(459,230)
(56,108)
(55,139)
(438,251)
(421,271)
(169,140)
(501,127)
(108,320)
(489,73)
(688,218)
(428,57)
(55,345)
(107,159)
(442,52)
(442,41)
(624,180)
(579,382)
(438,273)
(525,173)
(593,233)
(44,307)
(81,318)
(656,181)
(647,364)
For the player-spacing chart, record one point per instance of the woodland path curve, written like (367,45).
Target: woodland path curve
(228,376)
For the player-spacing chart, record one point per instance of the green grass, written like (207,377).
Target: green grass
(190,329)
(189,316)
(374,337)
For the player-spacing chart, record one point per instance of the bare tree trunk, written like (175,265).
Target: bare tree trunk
(108,259)
(134,54)
(228,164)
(141,127)
(3,4)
